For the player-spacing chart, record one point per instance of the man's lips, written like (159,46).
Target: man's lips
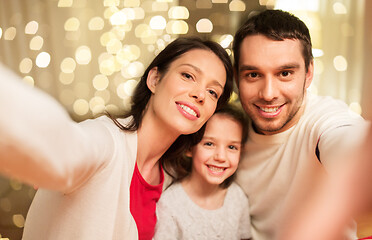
(270,111)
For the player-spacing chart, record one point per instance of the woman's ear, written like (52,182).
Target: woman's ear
(188,153)
(152,79)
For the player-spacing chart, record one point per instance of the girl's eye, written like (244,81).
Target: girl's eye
(213,93)
(232,147)
(208,144)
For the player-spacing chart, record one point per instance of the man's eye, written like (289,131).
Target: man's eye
(285,73)
(253,75)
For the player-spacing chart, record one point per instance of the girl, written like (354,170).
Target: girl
(204,203)
(101,180)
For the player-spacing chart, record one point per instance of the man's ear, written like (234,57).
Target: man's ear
(152,79)
(309,74)
(236,77)
(236,80)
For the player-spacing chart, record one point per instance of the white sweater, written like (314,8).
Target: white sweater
(86,166)
(278,171)
(180,218)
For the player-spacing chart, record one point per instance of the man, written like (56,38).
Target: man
(295,137)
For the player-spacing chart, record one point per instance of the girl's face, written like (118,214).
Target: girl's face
(186,96)
(217,155)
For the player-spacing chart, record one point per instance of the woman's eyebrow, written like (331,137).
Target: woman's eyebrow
(215,82)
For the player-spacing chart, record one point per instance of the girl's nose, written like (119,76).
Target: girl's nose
(220,155)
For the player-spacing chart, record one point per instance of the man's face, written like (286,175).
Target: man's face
(272,82)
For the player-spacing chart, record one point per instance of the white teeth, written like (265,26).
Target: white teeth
(269,110)
(188,110)
(216,169)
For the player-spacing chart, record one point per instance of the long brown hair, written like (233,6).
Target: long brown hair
(162,61)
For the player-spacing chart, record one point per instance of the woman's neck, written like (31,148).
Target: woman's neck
(153,141)
(205,195)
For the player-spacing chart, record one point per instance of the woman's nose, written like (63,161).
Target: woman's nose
(198,93)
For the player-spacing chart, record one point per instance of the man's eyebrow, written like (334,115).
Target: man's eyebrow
(285,66)
(290,66)
(247,67)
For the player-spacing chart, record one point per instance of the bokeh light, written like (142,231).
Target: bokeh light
(340,63)
(43,60)
(10,33)
(204,25)
(31,27)
(36,43)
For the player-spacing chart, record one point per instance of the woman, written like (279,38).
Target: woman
(85,170)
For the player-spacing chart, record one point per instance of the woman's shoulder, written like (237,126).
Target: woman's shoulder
(106,124)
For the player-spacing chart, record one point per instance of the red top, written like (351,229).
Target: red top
(143,199)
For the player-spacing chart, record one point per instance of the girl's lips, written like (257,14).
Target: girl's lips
(216,170)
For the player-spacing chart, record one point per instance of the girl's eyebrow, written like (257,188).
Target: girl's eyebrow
(205,137)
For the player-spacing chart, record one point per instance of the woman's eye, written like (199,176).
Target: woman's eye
(213,93)
(186,75)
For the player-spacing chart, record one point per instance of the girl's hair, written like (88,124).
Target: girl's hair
(162,61)
(182,166)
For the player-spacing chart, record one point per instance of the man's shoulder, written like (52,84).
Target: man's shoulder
(328,109)
(317,103)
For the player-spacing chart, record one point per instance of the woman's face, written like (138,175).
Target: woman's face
(186,96)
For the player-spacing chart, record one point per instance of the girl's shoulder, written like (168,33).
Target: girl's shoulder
(172,198)
(173,191)
(235,193)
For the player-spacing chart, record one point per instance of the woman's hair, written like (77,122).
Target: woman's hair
(162,61)
(182,166)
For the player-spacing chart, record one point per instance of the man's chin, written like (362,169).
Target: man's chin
(267,129)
